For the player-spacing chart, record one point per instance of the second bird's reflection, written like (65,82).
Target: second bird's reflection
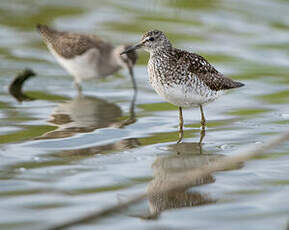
(85,114)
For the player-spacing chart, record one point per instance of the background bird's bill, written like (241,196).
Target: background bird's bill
(132,48)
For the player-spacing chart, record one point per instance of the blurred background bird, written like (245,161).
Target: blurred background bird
(86,56)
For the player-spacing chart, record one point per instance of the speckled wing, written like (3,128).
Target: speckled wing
(198,66)
(69,45)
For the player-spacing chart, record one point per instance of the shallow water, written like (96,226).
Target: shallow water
(63,156)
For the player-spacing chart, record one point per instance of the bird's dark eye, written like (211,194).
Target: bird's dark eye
(151,39)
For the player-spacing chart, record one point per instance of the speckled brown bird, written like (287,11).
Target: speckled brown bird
(86,56)
(184,79)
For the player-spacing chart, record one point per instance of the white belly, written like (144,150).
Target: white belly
(181,95)
(80,67)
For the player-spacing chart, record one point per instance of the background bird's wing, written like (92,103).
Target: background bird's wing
(70,45)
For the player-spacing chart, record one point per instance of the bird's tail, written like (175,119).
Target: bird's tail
(238,84)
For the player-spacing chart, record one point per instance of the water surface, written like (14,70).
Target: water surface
(63,156)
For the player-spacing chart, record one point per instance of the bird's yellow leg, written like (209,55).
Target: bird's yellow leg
(181,125)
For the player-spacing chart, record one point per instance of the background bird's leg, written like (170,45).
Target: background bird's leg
(131,73)
(132,104)
(181,124)
(203,121)
(77,85)
(132,116)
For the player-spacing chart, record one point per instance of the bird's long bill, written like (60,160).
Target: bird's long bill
(132,48)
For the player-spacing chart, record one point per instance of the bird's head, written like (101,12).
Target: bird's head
(151,41)
(126,60)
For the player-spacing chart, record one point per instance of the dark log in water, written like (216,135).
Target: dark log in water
(15,88)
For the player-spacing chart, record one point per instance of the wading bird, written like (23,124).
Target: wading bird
(184,79)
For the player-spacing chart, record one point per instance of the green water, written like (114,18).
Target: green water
(64,156)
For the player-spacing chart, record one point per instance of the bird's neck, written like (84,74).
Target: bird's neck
(161,51)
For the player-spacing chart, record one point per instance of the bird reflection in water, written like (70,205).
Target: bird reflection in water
(79,115)
(85,114)
(169,170)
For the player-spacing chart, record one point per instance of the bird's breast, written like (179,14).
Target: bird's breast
(177,87)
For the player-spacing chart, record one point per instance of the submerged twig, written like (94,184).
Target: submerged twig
(222,164)
(15,87)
